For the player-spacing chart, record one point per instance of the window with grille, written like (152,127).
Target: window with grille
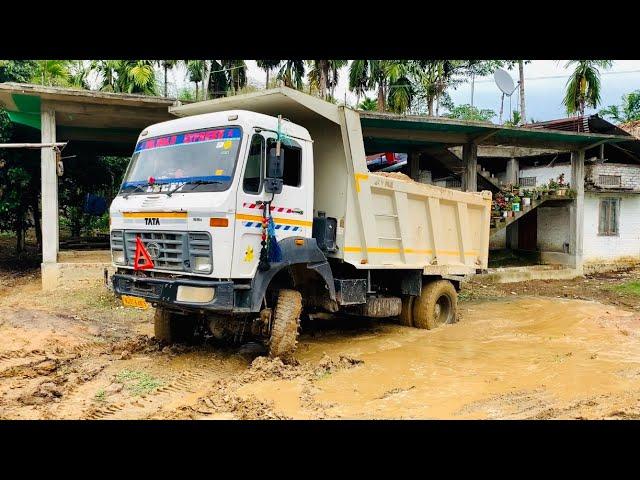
(527,181)
(610,180)
(609,214)
(453,182)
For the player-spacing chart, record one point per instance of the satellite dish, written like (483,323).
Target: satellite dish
(504,81)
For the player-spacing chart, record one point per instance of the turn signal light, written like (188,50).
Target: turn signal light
(299,241)
(218,222)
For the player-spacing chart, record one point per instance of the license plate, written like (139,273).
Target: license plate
(134,302)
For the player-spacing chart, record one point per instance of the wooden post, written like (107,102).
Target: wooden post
(50,234)
(470,159)
(576,227)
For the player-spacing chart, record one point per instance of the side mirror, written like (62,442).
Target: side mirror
(275,164)
(275,171)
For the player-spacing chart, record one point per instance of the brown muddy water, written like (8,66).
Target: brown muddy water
(525,357)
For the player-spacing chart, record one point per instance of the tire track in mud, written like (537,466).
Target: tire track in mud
(187,383)
(12,359)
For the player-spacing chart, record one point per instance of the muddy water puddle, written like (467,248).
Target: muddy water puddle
(515,358)
(524,357)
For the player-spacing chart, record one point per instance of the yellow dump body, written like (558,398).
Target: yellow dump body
(395,222)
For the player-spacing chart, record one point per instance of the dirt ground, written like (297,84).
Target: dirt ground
(530,350)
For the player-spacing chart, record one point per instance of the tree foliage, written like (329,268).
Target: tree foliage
(467,112)
(628,111)
(583,86)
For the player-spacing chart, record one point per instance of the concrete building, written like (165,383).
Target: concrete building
(111,122)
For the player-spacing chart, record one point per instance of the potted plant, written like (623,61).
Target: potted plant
(553,187)
(515,203)
(526,198)
(562,186)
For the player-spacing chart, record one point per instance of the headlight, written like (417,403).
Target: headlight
(202,264)
(118,256)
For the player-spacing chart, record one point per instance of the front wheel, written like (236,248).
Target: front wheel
(171,327)
(286,321)
(436,305)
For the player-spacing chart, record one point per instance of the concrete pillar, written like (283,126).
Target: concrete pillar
(576,211)
(513,171)
(470,160)
(414,165)
(49,195)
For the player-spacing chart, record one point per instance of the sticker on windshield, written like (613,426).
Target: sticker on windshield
(219,171)
(228,144)
(219,144)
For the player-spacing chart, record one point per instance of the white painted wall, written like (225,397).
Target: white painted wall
(626,243)
(544,174)
(553,228)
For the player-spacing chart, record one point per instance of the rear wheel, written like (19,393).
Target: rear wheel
(406,314)
(171,327)
(436,305)
(286,321)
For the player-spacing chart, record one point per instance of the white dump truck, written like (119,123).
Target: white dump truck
(239,221)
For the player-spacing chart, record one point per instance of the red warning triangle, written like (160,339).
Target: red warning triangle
(142,259)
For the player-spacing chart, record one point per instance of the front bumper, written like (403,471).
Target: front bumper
(164,292)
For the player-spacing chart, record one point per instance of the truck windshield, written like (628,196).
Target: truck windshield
(202,160)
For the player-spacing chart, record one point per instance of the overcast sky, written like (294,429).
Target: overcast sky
(544,87)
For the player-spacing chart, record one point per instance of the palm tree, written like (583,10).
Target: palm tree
(236,73)
(291,73)
(126,76)
(368,104)
(51,72)
(195,69)
(107,70)
(583,86)
(365,75)
(319,76)
(629,111)
(267,66)
(334,73)
(137,76)
(166,66)
(324,75)
(78,73)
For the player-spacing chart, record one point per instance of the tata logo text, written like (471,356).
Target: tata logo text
(151,221)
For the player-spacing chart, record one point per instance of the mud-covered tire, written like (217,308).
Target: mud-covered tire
(286,322)
(436,305)
(170,327)
(406,314)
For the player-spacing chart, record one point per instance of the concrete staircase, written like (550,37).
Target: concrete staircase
(505,222)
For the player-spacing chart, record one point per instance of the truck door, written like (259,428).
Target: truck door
(291,209)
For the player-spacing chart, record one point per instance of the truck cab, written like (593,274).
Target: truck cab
(195,195)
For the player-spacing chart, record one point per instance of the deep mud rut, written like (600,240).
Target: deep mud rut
(74,354)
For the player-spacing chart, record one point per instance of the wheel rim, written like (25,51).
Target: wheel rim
(443,309)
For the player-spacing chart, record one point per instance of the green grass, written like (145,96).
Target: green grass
(628,288)
(137,382)
(101,395)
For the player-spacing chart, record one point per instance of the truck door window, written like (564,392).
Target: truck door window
(292,151)
(252,181)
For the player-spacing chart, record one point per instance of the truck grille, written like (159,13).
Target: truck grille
(174,251)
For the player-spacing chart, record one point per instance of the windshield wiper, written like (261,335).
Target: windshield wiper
(195,182)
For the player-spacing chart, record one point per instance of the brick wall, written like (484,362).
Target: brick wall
(630,174)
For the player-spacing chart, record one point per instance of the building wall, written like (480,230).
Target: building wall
(553,228)
(630,174)
(626,243)
(544,174)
